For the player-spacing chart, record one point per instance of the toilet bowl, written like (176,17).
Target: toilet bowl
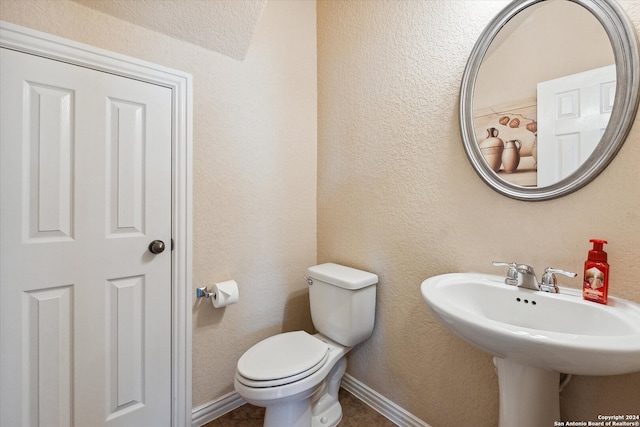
(295,375)
(301,388)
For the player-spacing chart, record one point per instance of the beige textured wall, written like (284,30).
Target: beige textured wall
(224,26)
(254,149)
(397,196)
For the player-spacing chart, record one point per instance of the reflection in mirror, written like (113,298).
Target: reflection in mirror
(549,95)
(547,41)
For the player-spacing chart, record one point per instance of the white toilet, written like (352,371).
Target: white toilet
(296,376)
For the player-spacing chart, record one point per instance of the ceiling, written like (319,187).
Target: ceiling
(224,26)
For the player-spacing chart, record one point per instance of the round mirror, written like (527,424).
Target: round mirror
(549,95)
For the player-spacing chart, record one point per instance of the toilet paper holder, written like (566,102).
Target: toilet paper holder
(222,294)
(204,293)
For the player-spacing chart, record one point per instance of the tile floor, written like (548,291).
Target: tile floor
(354,414)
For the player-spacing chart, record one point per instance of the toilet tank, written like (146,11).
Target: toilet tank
(343,302)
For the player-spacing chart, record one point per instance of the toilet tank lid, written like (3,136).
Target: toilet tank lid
(342,276)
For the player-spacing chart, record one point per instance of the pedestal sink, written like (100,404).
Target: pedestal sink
(534,336)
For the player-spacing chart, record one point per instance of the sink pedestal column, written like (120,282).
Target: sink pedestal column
(529,397)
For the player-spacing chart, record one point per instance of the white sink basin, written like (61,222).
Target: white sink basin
(534,336)
(560,331)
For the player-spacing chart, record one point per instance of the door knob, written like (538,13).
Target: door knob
(156,247)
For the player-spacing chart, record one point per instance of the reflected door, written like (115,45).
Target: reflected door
(85,170)
(573,113)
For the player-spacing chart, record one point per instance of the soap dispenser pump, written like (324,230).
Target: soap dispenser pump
(596,274)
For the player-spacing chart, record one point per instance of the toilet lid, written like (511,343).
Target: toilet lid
(282,356)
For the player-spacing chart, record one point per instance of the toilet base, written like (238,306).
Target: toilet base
(327,411)
(330,418)
(320,409)
(294,414)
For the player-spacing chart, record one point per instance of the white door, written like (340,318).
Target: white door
(85,187)
(573,113)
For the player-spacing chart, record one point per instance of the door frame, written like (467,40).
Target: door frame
(49,46)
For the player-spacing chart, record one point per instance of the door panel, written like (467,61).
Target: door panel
(85,186)
(48,156)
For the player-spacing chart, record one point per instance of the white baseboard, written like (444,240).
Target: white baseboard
(216,408)
(381,404)
(227,403)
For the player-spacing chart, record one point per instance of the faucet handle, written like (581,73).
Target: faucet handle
(549,281)
(512,273)
(549,275)
(504,264)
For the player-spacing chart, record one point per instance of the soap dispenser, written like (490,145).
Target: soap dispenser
(596,274)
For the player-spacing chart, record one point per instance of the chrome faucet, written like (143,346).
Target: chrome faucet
(523,276)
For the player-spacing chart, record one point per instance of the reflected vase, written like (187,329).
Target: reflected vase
(491,148)
(511,155)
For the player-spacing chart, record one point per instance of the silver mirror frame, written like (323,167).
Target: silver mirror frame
(624,43)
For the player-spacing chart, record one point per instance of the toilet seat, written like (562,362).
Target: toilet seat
(282,359)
